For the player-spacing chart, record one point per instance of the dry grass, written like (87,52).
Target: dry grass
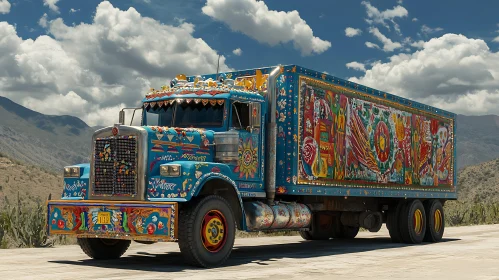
(29,181)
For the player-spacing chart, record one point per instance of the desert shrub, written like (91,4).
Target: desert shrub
(25,223)
(471,213)
(3,223)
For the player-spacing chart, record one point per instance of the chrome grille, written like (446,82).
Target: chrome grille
(115,166)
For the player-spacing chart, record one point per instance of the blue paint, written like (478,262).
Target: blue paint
(77,188)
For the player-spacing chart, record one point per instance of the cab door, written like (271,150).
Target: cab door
(246,119)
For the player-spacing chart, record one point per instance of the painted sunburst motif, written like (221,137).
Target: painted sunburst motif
(248,160)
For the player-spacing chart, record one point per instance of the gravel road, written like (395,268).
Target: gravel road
(466,253)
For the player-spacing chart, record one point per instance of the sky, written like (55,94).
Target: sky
(90,58)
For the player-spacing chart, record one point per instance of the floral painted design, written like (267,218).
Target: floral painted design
(248,159)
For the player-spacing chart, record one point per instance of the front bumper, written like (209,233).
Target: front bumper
(131,220)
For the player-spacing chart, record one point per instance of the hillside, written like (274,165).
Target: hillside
(477,139)
(27,180)
(42,140)
(479,183)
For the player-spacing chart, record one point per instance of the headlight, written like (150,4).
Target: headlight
(170,170)
(72,172)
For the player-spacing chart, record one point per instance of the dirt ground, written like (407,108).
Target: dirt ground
(466,253)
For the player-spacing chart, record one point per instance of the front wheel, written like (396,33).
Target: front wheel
(102,248)
(206,231)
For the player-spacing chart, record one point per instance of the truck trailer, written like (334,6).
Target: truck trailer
(267,149)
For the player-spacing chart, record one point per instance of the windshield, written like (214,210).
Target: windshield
(187,115)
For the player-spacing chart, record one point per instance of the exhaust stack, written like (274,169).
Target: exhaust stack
(270,155)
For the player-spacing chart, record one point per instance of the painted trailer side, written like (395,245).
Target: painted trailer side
(339,138)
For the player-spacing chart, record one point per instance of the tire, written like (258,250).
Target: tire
(413,222)
(320,228)
(103,249)
(348,232)
(436,221)
(392,223)
(207,230)
(341,231)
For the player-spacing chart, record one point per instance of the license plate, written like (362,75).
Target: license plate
(103,218)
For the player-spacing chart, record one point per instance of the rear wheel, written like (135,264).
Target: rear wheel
(341,231)
(392,222)
(320,228)
(102,249)
(413,222)
(207,231)
(349,232)
(435,219)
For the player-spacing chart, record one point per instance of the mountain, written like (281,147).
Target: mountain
(477,139)
(43,140)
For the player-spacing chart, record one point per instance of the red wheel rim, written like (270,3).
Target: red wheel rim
(214,231)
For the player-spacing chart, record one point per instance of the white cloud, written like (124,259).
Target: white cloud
(376,16)
(372,45)
(4,7)
(108,63)
(388,45)
(452,72)
(352,32)
(428,30)
(69,104)
(52,5)
(43,21)
(496,39)
(237,51)
(254,19)
(415,19)
(418,44)
(356,66)
(73,10)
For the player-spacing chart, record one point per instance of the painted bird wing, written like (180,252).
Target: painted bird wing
(359,142)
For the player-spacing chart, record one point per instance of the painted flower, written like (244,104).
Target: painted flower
(154,219)
(248,162)
(60,224)
(56,215)
(161,225)
(53,221)
(215,169)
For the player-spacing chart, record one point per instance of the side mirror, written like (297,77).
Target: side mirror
(122,117)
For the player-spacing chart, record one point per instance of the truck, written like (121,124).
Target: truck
(281,148)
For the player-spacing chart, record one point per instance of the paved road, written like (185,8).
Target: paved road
(467,253)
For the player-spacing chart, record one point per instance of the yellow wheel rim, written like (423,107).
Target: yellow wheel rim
(437,220)
(213,231)
(418,222)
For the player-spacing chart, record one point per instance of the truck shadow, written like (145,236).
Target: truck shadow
(260,255)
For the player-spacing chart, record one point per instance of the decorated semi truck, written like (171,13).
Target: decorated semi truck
(268,149)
